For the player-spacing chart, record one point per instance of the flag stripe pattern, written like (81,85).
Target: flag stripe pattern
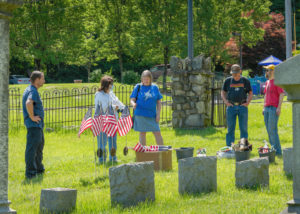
(125,122)
(110,123)
(139,147)
(98,123)
(86,122)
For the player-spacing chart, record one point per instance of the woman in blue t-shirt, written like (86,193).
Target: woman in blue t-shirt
(146,101)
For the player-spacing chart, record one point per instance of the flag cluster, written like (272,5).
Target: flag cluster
(107,123)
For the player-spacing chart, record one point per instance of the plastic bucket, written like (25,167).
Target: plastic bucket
(242,155)
(270,155)
(184,152)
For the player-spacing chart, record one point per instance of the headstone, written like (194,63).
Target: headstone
(287,76)
(57,200)
(6,8)
(131,184)
(197,174)
(253,172)
(287,154)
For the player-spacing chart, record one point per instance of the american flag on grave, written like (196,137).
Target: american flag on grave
(125,122)
(154,148)
(110,123)
(98,122)
(86,122)
(139,147)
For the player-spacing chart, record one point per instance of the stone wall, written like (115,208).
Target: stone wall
(191,92)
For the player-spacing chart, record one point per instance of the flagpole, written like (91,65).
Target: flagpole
(95,159)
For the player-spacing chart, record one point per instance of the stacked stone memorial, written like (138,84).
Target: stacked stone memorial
(191,92)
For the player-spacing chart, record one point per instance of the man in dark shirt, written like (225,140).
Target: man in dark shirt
(33,113)
(236,94)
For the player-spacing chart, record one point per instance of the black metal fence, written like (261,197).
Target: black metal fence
(218,107)
(65,108)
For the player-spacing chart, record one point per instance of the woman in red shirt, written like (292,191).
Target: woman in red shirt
(272,108)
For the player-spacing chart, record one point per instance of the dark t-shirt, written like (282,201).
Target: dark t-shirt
(38,109)
(237,90)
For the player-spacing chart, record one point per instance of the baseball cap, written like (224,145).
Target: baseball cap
(270,67)
(235,68)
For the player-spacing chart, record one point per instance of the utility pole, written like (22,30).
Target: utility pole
(288,28)
(190,30)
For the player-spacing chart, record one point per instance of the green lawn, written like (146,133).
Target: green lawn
(69,162)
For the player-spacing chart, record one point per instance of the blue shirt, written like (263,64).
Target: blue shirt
(146,100)
(38,109)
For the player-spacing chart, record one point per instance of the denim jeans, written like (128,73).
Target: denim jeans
(102,140)
(242,113)
(271,122)
(34,152)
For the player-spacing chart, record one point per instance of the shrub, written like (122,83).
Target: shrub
(96,76)
(131,77)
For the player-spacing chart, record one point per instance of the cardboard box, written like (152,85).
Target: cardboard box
(162,159)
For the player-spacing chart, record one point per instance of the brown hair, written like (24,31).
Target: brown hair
(105,82)
(35,75)
(147,73)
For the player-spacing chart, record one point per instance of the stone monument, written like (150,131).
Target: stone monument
(6,8)
(191,92)
(287,76)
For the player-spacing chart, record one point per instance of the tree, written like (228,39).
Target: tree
(273,43)
(216,20)
(162,28)
(46,32)
(119,16)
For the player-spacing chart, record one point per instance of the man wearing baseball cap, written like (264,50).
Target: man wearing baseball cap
(272,108)
(237,95)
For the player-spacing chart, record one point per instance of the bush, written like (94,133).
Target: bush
(97,74)
(131,77)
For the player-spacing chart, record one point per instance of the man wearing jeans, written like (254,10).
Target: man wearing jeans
(272,108)
(33,113)
(236,94)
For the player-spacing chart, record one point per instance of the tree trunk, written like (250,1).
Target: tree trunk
(88,68)
(166,60)
(121,66)
(37,63)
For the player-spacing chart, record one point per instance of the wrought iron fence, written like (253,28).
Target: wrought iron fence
(65,108)
(218,107)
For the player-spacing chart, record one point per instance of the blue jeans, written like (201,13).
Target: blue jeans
(112,141)
(232,112)
(34,152)
(271,122)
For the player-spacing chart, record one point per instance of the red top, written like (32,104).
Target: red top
(272,93)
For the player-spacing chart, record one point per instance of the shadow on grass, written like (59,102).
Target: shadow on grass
(89,182)
(253,188)
(35,180)
(289,176)
(198,132)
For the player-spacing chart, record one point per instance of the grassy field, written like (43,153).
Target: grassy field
(69,162)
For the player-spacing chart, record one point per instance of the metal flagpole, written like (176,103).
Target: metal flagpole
(95,159)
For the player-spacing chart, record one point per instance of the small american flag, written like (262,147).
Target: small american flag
(110,123)
(139,147)
(86,122)
(154,148)
(98,123)
(125,122)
